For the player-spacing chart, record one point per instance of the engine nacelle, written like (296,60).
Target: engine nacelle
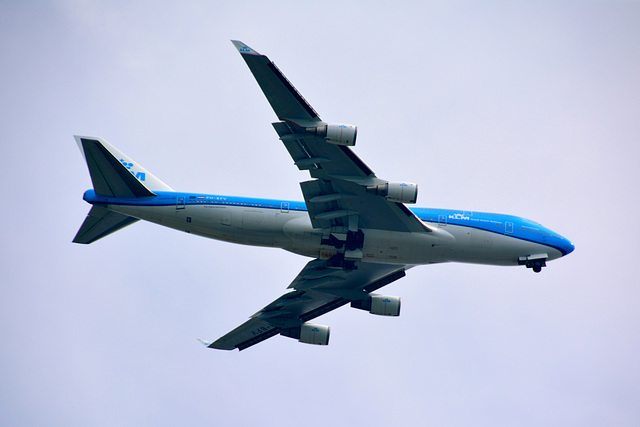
(384,305)
(336,133)
(314,334)
(401,192)
(381,305)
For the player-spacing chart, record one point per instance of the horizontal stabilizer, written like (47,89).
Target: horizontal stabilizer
(101,222)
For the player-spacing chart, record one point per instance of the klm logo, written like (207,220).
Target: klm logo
(245,49)
(459,216)
(140,175)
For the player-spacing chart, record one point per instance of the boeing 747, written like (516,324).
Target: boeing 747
(355,226)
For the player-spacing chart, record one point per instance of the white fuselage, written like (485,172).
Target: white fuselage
(291,230)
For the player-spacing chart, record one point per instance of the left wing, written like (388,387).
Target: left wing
(318,289)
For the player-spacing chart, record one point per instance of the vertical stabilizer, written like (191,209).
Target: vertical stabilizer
(114,174)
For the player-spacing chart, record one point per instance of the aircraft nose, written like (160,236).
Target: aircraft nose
(567,246)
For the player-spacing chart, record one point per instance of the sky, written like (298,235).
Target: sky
(525,108)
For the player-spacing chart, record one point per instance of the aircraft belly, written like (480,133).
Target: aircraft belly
(249,226)
(304,239)
(162,215)
(392,247)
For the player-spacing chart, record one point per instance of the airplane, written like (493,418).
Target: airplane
(355,226)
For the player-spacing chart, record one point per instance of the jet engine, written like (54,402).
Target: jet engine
(402,192)
(314,334)
(381,305)
(337,134)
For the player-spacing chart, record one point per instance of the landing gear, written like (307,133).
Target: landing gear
(534,262)
(536,265)
(333,241)
(355,240)
(346,258)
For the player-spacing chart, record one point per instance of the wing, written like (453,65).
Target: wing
(318,289)
(345,195)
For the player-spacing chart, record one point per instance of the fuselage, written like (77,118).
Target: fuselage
(456,236)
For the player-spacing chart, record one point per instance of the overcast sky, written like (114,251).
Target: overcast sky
(527,108)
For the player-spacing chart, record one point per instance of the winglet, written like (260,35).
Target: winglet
(205,343)
(243,48)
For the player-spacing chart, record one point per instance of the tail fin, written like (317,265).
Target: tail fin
(113,175)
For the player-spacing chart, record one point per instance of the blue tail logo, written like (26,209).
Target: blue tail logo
(140,175)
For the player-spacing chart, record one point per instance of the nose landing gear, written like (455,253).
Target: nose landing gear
(535,262)
(536,265)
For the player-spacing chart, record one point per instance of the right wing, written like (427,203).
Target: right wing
(318,289)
